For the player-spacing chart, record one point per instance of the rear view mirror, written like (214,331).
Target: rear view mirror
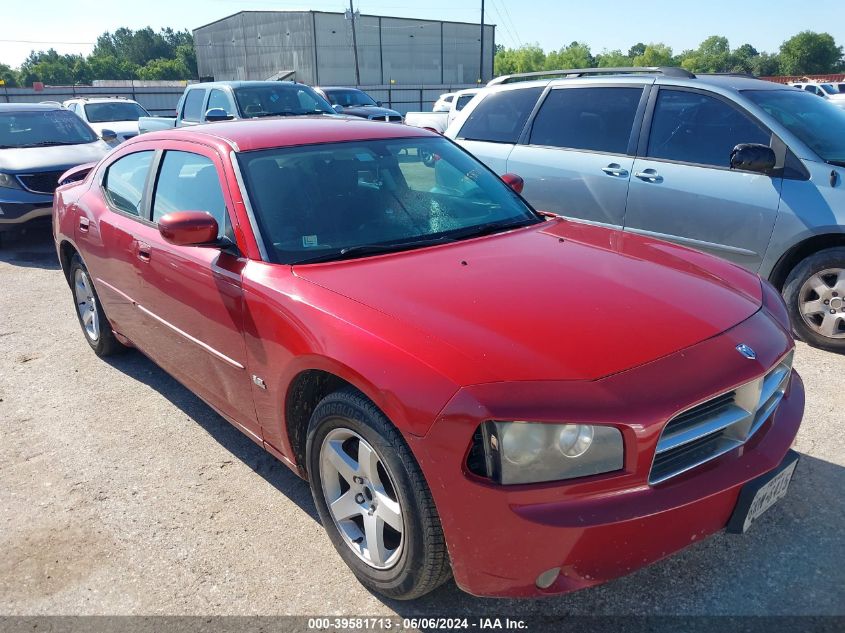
(188,228)
(378,103)
(217,114)
(337,108)
(514,182)
(109,136)
(753,157)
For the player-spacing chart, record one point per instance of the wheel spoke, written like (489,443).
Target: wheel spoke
(95,320)
(818,285)
(830,325)
(389,511)
(343,463)
(813,307)
(345,507)
(368,462)
(374,536)
(87,317)
(840,282)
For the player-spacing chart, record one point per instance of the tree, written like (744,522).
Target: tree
(9,75)
(576,55)
(765,65)
(612,59)
(810,53)
(636,50)
(52,68)
(742,59)
(713,55)
(654,55)
(163,69)
(525,59)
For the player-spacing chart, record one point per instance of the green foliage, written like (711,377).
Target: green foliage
(613,59)
(712,56)
(576,55)
(525,59)
(655,55)
(124,54)
(810,53)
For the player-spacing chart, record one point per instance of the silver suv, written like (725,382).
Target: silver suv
(746,169)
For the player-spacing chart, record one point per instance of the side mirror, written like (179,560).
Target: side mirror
(217,114)
(188,228)
(337,108)
(109,136)
(753,157)
(514,182)
(378,103)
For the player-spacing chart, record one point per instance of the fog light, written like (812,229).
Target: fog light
(547,578)
(575,439)
(522,443)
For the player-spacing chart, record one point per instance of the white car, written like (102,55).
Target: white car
(117,114)
(830,91)
(444,102)
(440,120)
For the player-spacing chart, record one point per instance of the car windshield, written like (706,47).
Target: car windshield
(109,111)
(357,198)
(39,128)
(818,123)
(829,89)
(350,98)
(284,99)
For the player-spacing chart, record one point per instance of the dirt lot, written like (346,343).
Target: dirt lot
(122,493)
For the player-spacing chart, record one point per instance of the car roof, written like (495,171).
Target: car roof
(255,134)
(736,82)
(29,107)
(101,99)
(243,84)
(340,88)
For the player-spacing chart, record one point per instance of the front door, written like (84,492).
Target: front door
(682,188)
(191,296)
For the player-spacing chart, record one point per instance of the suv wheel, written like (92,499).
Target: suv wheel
(89,311)
(815,295)
(372,498)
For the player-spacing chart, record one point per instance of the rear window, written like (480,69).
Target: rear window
(500,116)
(193,105)
(593,119)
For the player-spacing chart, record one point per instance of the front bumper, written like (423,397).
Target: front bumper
(18,208)
(598,528)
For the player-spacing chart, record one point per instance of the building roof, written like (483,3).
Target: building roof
(254,134)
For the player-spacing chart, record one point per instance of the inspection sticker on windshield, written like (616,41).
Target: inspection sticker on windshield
(309,240)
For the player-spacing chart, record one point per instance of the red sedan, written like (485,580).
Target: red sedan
(471,388)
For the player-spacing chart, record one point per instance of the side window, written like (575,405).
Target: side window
(306,101)
(595,119)
(192,110)
(694,128)
(125,180)
(460,104)
(500,116)
(219,99)
(189,182)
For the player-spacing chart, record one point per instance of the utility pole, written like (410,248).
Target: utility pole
(481,58)
(353,17)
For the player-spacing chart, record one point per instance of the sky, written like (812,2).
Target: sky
(72,27)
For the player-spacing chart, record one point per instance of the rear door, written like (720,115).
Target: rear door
(579,150)
(192,296)
(495,124)
(682,187)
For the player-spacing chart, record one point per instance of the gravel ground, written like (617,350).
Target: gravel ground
(122,493)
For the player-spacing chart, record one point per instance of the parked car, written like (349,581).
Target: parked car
(227,100)
(354,102)
(829,91)
(746,169)
(440,121)
(117,114)
(444,102)
(373,323)
(38,143)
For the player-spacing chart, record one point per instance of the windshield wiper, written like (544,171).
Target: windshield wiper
(837,162)
(493,227)
(373,249)
(51,143)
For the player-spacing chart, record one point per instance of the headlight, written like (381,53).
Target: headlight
(9,181)
(518,452)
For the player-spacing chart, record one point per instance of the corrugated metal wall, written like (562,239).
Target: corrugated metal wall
(318,45)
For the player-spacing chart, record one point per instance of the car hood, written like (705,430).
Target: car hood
(54,158)
(557,301)
(369,111)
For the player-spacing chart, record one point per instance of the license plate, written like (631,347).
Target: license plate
(759,495)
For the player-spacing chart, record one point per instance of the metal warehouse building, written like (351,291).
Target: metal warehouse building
(318,46)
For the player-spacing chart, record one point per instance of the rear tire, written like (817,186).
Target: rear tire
(95,325)
(815,297)
(401,564)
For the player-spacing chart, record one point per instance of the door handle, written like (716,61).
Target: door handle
(84,223)
(615,169)
(143,252)
(649,175)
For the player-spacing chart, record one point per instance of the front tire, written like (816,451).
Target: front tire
(373,499)
(95,325)
(815,296)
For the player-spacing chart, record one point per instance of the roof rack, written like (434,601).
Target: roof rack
(668,71)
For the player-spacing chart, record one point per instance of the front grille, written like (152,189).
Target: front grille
(718,425)
(42,182)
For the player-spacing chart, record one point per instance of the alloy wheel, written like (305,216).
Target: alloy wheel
(822,302)
(86,304)
(361,498)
